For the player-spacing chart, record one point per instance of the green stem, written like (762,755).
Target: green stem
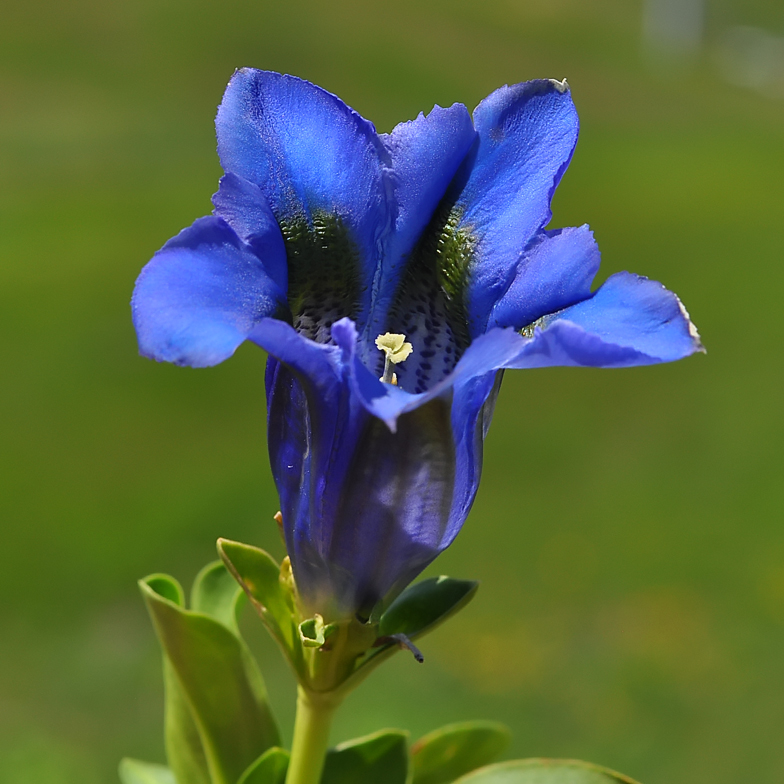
(311,737)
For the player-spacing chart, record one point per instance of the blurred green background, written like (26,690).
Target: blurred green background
(628,532)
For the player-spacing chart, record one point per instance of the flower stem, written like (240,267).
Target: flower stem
(311,737)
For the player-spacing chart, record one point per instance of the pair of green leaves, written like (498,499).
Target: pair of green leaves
(454,754)
(218,724)
(220,729)
(381,758)
(417,611)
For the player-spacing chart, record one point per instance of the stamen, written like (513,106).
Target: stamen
(395,350)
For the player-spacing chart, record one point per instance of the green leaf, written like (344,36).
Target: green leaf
(134,771)
(184,749)
(269,768)
(449,752)
(167,587)
(259,575)
(215,592)
(217,712)
(544,771)
(418,610)
(380,758)
(425,605)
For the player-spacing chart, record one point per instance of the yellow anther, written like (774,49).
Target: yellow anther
(396,350)
(394,346)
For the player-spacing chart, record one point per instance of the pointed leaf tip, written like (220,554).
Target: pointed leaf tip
(260,577)
(417,611)
(425,605)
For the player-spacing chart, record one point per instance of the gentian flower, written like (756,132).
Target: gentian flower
(332,247)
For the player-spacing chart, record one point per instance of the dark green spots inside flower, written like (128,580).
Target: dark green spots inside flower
(454,250)
(323,266)
(431,306)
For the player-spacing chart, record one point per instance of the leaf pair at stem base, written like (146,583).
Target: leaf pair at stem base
(219,726)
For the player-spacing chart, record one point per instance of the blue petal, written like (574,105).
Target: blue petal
(426,153)
(243,206)
(554,272)
(311,433)
(527,134)
(630,320)
(472,409)
(311,155)
(202,294)
(488,353)
(364,510)
(395,505)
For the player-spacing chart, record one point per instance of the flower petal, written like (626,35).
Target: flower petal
(202,293)
(629,321)
(426,153)
(488,353)
(394,505)
(311,433)
(363,509)
(313,158)
(554,272)
(243,206)
(472,409)
(527,133)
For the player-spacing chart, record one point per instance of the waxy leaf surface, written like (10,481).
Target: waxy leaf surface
(134,771)
(269,768)
(259,575)
(216,593)
(380,758)
(449,752)
(215,693)
(544,771)
(425,605)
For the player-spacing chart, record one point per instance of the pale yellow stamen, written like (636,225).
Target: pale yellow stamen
(395,350)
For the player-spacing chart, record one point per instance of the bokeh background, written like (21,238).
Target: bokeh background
(629,530)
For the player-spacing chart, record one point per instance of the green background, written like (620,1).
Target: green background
(628,532)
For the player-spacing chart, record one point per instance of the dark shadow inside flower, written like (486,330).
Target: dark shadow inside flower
(430,306)
(323,272)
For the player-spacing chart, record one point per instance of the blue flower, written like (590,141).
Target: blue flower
(326,235)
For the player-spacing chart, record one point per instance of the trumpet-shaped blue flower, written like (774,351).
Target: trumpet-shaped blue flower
(326,235)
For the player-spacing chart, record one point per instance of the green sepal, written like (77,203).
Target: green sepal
(218,720)
(216,593)
(381,758)
(418,610)
(269,768)
(311,632)
(449,752)
(133,771)
(271,596)
(544,771)
(425,605)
